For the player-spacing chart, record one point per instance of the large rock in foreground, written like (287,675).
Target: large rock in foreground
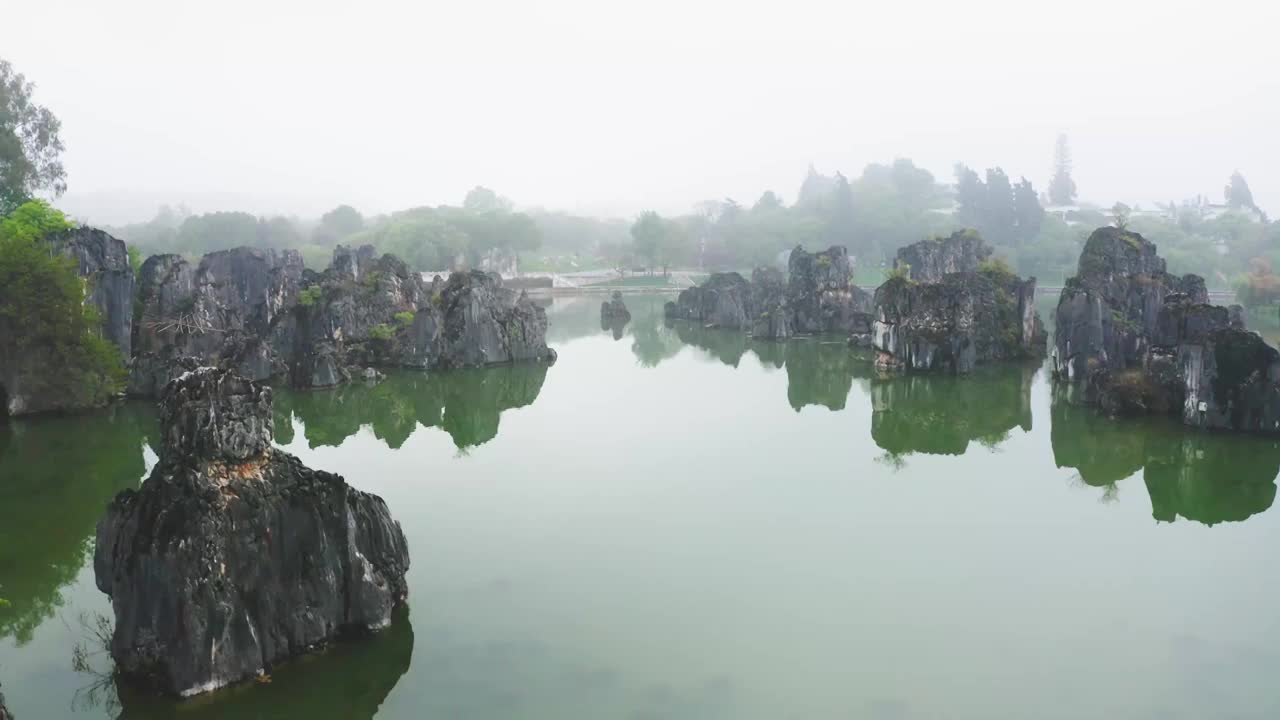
(233,556)
(954,325)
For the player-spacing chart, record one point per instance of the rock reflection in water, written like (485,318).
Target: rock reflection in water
(1208,478)
(349,681)
(56,476)
(819,371)
(942,415)
(466,404)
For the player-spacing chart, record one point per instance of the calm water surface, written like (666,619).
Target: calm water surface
(679,523)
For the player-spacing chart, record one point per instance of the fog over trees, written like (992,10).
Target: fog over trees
(762,130)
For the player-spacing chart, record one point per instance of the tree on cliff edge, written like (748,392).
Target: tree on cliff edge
(43,314)
(30,148)
(1062,189)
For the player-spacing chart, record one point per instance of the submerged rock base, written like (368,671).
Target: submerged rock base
(233,556)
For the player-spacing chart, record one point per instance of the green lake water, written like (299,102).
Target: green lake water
(680,523)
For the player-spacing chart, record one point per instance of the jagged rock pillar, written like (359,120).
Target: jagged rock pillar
(233,556)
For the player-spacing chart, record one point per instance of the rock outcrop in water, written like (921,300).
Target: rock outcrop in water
(221,311)
(261,314)
(614,310)
(614,315)
(723,301)
(1108,313)
(821,295)
(1134,339)
(817,296)
(233,556)
(964,320)
(929,261)
(4,712)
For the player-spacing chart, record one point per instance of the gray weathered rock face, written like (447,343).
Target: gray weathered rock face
(4,712)
(929,261)
(1107,313)
(954,325)
(816,297)
(1138,340)
(482,323)
(261,314)
(821,295)
(222,311)
(233,556)
(723,301)
(771,318)
(104,264)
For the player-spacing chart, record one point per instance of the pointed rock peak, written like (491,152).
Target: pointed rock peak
(213,415)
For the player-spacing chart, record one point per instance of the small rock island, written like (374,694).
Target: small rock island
(614,311)
(949,308)
(817,296)
(233,556)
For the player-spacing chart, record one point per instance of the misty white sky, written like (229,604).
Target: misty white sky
(611,108)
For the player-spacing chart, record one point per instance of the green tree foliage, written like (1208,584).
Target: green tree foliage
(1120,214)
(30,145)
(43,313)
(1238,194)
(1062,189)
(1258,287)
(1005,215)
(200,234)
(647,236)
(483,200)
(342,221)
(1028,215)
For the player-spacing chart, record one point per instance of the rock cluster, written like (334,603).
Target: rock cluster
(964,319)
(233,556)
(1133,339)
(263,315)
(222,310)
(817,296)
